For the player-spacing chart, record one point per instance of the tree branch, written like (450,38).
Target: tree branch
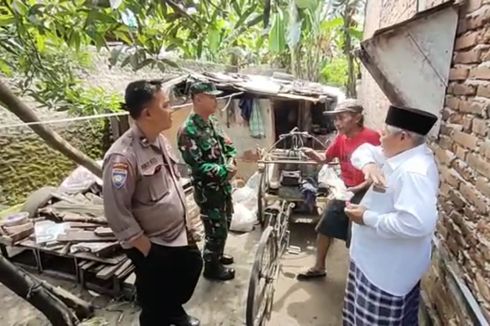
(24,286)
(53,139)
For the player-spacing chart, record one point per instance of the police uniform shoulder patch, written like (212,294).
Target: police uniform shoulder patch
(119,174)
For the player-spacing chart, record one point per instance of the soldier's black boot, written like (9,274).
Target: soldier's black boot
(216,271)
(226,259)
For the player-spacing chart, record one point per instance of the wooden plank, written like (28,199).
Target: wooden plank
(69,217)
(100,249)
(75,236)
(98,268)
(104,232)
(83,225)
(108,271)
(123,267)
(130,280)
(88,265)
(109,261)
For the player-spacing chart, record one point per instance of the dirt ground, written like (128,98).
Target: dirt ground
(215,304)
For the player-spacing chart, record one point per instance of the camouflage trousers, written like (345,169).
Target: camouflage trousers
(216,221)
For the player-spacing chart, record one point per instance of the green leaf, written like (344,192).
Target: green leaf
(307,4)
(355,33)
(19,7)
(277,41)
(5,68)
(6,20)
(214,40)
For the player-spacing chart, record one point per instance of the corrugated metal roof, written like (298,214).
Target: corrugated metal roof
(268,86)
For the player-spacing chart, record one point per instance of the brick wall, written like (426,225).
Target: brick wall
(463,155)
(463,152)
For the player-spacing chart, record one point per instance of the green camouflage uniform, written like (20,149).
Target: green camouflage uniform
(208,151)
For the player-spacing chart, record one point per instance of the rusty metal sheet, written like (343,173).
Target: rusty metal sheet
(410,61)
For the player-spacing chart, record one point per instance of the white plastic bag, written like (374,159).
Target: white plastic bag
(47,231)
(247,197)
(243,219)
(329,178)
(79,180)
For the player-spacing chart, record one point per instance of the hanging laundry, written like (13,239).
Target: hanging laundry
(256,122)
(246,106)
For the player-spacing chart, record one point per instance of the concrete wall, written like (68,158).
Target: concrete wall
(463,155)
(26,163)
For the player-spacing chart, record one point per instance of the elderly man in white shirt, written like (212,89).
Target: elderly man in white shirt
(393,224)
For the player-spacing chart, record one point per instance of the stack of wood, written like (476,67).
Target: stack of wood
(75,228)
(16,227)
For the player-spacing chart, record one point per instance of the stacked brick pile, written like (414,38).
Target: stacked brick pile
(463,153)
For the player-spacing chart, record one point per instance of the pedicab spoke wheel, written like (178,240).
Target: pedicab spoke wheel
(261,287)
(261,203)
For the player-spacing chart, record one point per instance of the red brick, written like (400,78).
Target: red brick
(444,156)
(464,139)
(484,91)
(446,142)
(444,190)
(467,123)
(467,40)
(471,56)
(464,89)
(485,56)
(478,107)
(461,152)
(462,26)
(458,73)
(479,17)
(485,149)
(450,176)
(479,164)
(480,126)
(462,168)
(457,199)
(472,5)
(446,113)
(452,102)
(473,196)
(485,36)
(483,185)
(481,72)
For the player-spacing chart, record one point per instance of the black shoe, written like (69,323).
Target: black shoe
(216,271)
(226,259)
(186,321)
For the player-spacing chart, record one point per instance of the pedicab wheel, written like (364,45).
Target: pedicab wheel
(260,288)
(261,216)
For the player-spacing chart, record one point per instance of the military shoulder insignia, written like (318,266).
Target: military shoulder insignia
(119,175)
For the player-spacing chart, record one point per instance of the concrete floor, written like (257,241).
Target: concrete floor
(215,304)
(315,303)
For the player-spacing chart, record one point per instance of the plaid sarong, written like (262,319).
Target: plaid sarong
(365,304)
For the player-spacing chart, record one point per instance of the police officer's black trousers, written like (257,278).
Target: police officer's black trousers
(165,280)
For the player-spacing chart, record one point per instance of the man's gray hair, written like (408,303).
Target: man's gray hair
(418,139)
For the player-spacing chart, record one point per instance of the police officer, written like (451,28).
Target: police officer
(210,155)
(145,207)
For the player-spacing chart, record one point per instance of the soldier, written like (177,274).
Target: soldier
(210,155)
(145,207)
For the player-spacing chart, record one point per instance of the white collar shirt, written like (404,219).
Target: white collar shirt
(393,247)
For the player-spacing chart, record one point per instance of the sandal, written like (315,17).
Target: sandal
(311,274)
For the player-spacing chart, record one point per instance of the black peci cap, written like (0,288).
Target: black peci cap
(415,120)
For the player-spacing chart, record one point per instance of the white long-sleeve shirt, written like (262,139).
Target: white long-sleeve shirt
(393,248)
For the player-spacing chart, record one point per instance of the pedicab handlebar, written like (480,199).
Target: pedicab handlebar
(294,154)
